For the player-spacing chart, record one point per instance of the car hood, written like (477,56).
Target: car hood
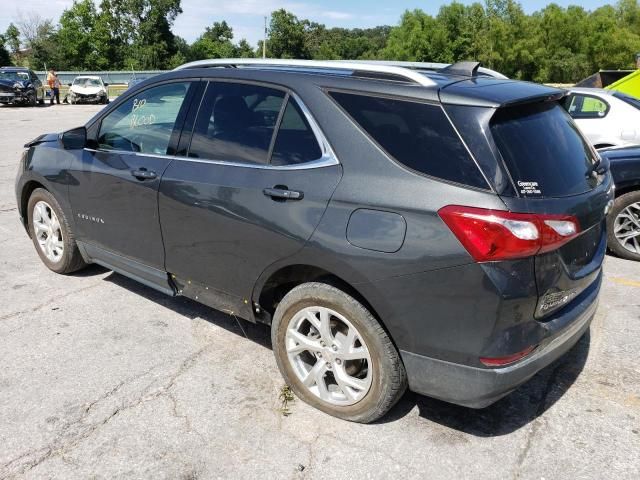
(11,83)
(44,138)
(86,90)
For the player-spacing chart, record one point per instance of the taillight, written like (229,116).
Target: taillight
(490,235)
(506,360)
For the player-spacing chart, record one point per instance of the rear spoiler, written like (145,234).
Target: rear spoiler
(554,97)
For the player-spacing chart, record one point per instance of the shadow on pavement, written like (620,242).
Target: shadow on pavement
(257,333)
(510,413)
(507,415)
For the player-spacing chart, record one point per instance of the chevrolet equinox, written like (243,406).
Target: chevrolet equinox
(440,228)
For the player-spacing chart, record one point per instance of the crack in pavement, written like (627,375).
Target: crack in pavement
(47,302)
(76,431)
(537,421)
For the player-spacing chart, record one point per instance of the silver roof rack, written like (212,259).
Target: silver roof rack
(424,66)
(359,66)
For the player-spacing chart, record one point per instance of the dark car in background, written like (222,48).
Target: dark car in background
(394,224)
(20,85)
(624,218)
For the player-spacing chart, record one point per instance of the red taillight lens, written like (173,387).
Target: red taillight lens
(490,235)
(501,361)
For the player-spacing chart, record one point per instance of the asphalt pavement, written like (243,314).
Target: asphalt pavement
(101,377)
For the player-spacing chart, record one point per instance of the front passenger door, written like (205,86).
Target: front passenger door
(114,190)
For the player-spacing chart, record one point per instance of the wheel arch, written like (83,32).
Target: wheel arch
(27,189)
(627,188)
(274,285)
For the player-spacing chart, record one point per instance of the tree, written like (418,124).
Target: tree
(76,38)
(12,38)
(287,36)
(5,58)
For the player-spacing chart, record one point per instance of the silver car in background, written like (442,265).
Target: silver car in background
(606,117)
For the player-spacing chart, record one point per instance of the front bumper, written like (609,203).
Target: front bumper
(87,98)
(480,387)
(12,97)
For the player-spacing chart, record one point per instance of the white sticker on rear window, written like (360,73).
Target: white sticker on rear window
(529,188)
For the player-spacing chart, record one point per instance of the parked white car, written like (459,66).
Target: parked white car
(88,89)
(606,117)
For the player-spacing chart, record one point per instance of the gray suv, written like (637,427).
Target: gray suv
(396,224)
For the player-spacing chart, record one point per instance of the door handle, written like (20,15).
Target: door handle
(279,193)
(144,174)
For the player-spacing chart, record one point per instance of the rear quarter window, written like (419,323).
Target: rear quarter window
(543,150)
(417,135)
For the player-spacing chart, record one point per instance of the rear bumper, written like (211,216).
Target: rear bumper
(479,387)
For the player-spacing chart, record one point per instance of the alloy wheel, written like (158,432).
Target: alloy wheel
(329,356)
(48,232)
(626,228)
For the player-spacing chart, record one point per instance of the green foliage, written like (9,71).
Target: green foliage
(12,38)
(5,58)
(554,44)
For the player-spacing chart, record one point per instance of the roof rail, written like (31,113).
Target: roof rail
(435,66)
(366,67)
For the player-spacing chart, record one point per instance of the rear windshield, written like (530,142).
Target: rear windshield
(543,150)
(417,135)
(628,99)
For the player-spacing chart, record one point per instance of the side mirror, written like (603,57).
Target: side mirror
(106,84)
(74,139)
(69,84)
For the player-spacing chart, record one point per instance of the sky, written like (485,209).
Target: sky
(246,17)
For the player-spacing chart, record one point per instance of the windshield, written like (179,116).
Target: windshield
(543,150)
(21,76)
(628,99)
(87,82)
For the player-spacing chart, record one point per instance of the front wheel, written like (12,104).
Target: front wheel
(623,225)
(335,355)
(51,233)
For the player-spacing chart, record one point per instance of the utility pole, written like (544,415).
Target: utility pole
(264,41)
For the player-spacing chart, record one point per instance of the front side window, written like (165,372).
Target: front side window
(418,135)
(585,106)
(145,121)
(236,123)
(633,101)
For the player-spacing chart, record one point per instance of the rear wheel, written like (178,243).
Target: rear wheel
(335,355)
(51,233)
(623,225)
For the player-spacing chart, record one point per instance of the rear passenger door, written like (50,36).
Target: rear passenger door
(254,184)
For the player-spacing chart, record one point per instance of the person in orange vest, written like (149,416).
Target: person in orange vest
(54,85)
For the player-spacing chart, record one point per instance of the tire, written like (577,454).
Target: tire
(68,258)
(380,377)
(625,206)
(33,99)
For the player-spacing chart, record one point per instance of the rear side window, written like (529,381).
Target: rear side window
(295,142)
(236,123)
(543,150)
(585,106)
(418,135)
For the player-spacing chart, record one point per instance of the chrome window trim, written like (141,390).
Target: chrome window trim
(327,159)
(324,161)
